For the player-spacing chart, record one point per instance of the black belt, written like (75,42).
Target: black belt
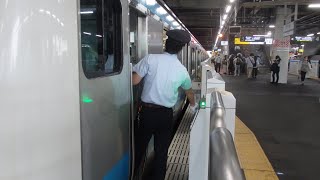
(155,106)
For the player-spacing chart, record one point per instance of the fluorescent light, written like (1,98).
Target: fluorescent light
(225,17)
(86,12)
(151,2)
(231,1)
(223,22)
(314,6)
(272,26)
(228,8)
(318,33)
(98,35)
(310,35)
(86,33)
(161,11)
(170,18)
(175,23)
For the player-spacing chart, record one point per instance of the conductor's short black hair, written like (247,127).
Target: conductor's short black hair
(173,47)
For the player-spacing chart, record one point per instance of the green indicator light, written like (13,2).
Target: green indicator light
(203,103)
(86,99)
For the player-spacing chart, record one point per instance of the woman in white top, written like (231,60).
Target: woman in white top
(304,68)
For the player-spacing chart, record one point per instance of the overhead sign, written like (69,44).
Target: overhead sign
(303,38)
(288,29)
(237,41)
(224,43)
(252,40)
(269,40)
(234,29)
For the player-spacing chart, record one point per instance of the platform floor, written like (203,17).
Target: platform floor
(252,158)
(286,121)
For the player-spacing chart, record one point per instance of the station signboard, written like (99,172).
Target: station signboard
(252,39)
(303,38)
(224,43)
(288,29)
(234,29)
(246,40)
(269,40)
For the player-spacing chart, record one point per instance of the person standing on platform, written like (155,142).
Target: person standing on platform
(231,64)
(275,71)
(218,61)
(237,64)
(304,68)
(159,95)
(255,64)
(249,61)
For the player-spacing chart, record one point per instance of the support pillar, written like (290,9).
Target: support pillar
(281,45)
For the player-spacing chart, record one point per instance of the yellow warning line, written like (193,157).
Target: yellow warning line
(252,159)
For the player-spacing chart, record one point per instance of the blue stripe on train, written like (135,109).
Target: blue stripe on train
(120,171)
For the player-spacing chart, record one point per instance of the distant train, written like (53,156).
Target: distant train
(67,102)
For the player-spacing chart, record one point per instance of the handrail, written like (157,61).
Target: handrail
(223,162)
(217,112)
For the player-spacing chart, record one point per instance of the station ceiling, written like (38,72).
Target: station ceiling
(202,17)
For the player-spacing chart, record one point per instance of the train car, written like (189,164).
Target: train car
(68,105)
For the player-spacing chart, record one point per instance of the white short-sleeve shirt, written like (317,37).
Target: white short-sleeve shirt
(163,75)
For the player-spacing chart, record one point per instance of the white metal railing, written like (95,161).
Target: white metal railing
(212,151)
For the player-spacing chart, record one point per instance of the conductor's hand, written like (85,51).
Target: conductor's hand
(195,107)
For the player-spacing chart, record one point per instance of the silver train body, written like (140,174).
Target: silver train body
(67,104)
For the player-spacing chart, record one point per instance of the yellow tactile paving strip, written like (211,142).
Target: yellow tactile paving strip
(252,159)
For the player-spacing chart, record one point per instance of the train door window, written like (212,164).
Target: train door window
(101,37)
(193,61)
(180,56)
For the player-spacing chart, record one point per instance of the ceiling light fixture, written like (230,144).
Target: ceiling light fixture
(175,23)
(228,8)
(318,33)
(269,33)
(161,11)
(86,12)
(223,22)
(86,33)
(272,26)
(231,1)
(170,18)
(314,6)
(151,2)
(309,35)
(225,17)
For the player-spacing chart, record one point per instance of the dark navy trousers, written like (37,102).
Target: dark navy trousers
(158,122)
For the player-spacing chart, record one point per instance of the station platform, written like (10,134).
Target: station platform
(282,118)
(253,160)
(285,121)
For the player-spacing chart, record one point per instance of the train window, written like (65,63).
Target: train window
(101,39)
